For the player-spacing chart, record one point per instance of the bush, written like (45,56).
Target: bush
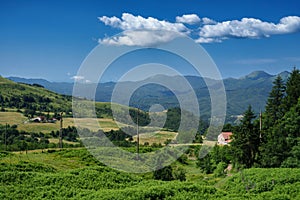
(220,170)
(179,174)
(164,174)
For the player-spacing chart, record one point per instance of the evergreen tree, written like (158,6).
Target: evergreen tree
(282,124)
(245,140)
(292,89)
(274,108)
(281,146)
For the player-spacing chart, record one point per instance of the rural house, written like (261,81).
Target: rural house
(224,138)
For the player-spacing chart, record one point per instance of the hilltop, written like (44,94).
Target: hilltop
(32,97)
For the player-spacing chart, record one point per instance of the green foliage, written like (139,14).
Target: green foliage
(26,167)
(219,154)
(32,98)
(35,180)
(274,107)
(219,171)
(142,117)
(164,174)
(12,139)
(282,141)
(174,119)
(183,159)
(179,174)
(292,89)
(246,140)
(105,183)
(265,182)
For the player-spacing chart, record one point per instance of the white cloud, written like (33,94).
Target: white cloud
(149,31)
(249,28)
(131,22)
(207,40)
(188,19)
(110,21)
(140,38)
(206,21)
(140,31)
(77,78)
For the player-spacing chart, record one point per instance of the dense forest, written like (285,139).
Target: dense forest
(272,142)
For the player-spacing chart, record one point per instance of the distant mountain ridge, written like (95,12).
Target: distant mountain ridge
(252,89)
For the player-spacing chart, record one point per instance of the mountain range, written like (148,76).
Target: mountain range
(252,89)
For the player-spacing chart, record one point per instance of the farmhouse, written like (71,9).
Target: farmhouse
(37,119)
(224,138)
(43,119)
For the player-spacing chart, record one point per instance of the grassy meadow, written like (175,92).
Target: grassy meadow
(75,174)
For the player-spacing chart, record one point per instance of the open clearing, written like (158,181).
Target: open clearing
(156,137)
(21,121)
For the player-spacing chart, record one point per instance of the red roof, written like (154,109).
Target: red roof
(227,136)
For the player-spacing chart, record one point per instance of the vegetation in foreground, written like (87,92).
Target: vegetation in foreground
(75,174)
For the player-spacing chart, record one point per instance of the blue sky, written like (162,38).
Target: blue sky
(50,39)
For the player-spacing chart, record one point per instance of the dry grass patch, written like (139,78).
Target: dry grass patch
(19,119)
(156,137)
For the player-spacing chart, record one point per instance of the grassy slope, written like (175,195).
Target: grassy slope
(74,174)
(10,89)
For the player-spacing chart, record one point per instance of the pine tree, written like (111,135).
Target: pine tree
(282,140)
(274,107)
(246,140)
(292,89)
(282,130)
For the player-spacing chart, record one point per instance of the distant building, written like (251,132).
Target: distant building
(224,138)
(36,119)
(43,119)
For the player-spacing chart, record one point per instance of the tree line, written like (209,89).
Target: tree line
(270,140)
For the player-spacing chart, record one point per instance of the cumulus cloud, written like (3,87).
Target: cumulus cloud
(140,38)
(206,21)
(131,22)
(249,28)
(142,31)
(188,19)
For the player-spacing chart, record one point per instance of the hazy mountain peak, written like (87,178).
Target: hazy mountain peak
(257,75)
(284,75)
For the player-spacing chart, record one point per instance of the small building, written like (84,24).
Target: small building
(224,138)
(38,119)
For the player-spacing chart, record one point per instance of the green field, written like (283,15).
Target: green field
(156,137)
(23,124)
(74,174)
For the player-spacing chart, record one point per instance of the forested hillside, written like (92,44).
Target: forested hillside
(32,98)
(270,140)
